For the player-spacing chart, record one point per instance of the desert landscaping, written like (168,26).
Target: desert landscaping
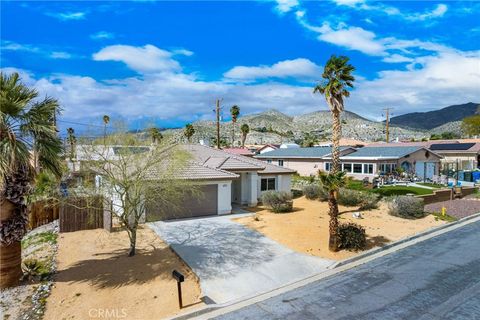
(96,277)
(306,228)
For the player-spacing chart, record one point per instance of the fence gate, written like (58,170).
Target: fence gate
(81,213)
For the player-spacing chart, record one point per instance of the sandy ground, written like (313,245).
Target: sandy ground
(306,229)
(97,280)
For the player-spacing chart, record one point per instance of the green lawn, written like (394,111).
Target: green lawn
(431,185)
(401,190)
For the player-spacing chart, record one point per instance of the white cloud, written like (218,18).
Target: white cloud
(182,52)
(397,58)
(284,6)
(353,38)
(13,46)
(66,16)
(101,35)
(300,68)
(439,11)
(141,59)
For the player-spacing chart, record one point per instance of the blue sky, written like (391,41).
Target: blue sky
(167,62)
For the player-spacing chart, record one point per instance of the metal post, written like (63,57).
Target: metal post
(179,287)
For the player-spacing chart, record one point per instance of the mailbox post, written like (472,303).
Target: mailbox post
(180,278)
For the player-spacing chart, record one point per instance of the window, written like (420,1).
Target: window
(347,167)
(368,168)
(328,166)
(269,160)
(267,184)
(280,163)
(357,168)
(387,167)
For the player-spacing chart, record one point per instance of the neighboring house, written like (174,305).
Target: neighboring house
(240,151)
(268,148)
(461,154)
(369,162)
(345,142)
(289,145)
(306,161)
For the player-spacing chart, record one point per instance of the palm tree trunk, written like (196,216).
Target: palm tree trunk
(233,133)
(336,134)
(10,253)
(333,241)
(332,198)
(244,137)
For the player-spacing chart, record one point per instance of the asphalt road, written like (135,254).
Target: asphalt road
(435,279)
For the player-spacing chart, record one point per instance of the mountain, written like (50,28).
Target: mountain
(432,119)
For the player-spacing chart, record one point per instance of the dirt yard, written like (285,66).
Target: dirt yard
(306,229)
(96,279)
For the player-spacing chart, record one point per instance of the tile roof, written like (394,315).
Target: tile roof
(387,152)
(313,152)
(220,159)
(240,151)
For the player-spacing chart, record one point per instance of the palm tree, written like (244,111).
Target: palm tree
(337,80)
(309,140)
(155,135)
(26,124)
(235,112)
(106,120)
(189,131)
(245,129)
(72,140)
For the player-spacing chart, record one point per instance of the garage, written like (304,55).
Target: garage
(192,206)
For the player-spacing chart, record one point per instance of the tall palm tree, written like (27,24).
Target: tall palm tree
(72,140)
(106,120)
(155,135)
(245,129)
(337,80)
(235,112)
(26,124)
(189,131)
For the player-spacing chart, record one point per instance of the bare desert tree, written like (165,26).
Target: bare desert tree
(135,174)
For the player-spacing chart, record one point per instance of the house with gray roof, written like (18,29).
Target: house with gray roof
(305,161)
(368,162)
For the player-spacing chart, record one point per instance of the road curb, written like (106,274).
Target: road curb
(217,309)
(398,242)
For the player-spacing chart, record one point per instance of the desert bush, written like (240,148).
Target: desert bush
(353,198)
(278,201)
(352,236)
(369,201)
(407,207)
(312,191)
(33,269)
(296,193)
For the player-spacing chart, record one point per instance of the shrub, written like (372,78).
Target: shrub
(33,269)
(278,201)
(369,201)
(352,236)
(353,198)
(312,191)
(350,198)
(407,207)
(297,193)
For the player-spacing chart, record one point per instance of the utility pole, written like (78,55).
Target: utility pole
(217,111)
(387,132)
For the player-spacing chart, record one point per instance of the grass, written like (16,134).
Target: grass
(39,238)
(446,217)
(401,190)
(431,185)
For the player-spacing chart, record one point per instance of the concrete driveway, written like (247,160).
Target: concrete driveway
(232,261)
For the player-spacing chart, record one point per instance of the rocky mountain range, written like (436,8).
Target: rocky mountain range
(273,126)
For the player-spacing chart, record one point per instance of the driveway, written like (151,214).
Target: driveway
(232,261)
(438,278)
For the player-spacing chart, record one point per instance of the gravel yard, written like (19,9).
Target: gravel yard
(459,208)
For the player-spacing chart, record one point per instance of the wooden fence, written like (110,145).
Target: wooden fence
(84,213)
(42,212)
(444,195)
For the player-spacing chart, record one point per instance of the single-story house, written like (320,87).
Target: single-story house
(224,179)
(368,162)
(305,161)
(267,148)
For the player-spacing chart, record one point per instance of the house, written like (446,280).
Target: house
(368,162)
(223,179)
(268,148)
(289,145)
(240,151)
(458,154)
(305,161)
(344,142)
